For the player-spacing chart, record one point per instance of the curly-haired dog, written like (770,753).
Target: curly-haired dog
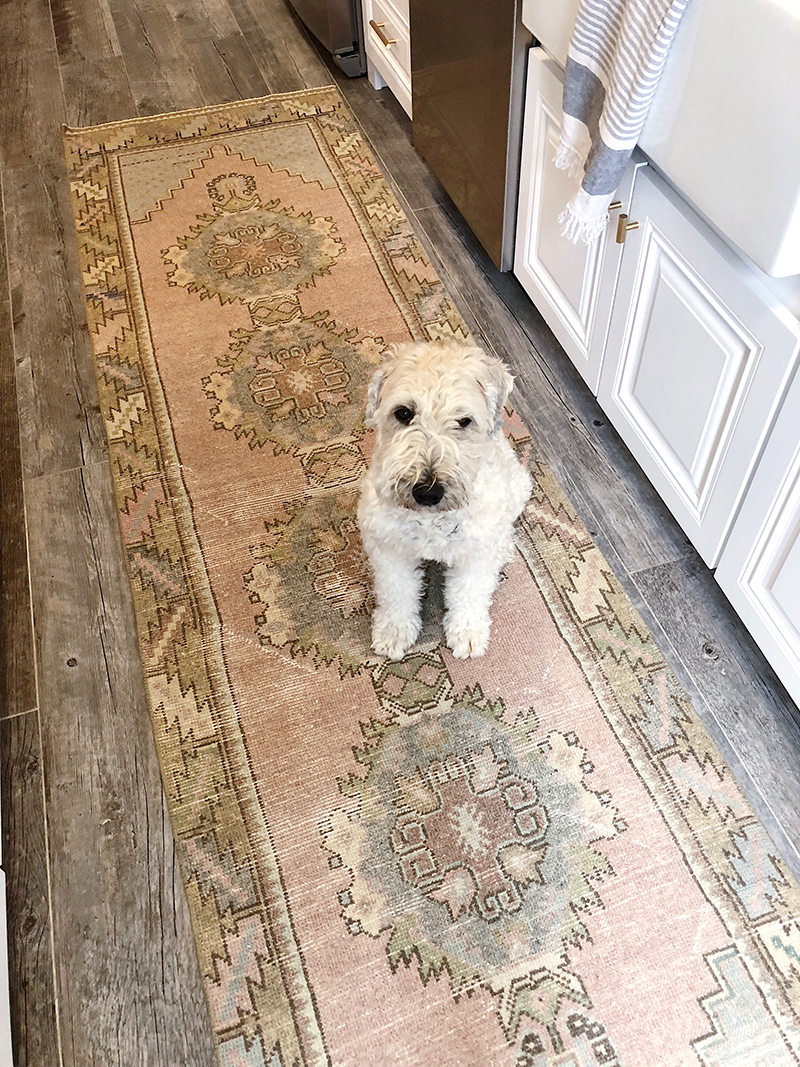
(444,484)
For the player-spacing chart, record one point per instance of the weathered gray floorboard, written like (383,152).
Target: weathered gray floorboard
(743,703)
(84,31)
(218,80)
(33,1015)
(280,44)
(96,87)
(59,417)
(17,677)
(126,972)
(158,68)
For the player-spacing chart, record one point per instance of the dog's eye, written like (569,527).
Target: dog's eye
(404,415)
(465,422)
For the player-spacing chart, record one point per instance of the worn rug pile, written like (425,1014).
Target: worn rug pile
(533,859)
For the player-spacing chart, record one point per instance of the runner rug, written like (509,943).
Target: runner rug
(535,858)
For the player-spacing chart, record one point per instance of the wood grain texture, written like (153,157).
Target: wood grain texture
(17,677)
(84,31)
(97,90)
(159,71)
(30,961)
(30,104)
(281,45)
(126,972)
(60,423)
(225,69)
(59,415)
(743,704)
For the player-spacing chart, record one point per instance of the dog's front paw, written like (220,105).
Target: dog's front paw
(467,638)
(392,637)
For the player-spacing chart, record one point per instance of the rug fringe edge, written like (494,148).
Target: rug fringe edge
(71,131)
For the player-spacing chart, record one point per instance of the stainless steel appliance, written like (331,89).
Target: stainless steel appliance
(467,82)
(337,25)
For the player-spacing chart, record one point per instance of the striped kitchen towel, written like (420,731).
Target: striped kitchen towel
(615,59)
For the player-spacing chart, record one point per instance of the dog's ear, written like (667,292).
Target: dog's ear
(388,361)
(497,382)
(374,394)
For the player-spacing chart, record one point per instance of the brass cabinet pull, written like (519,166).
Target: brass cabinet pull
(622,228)
(378,28)
(615,205)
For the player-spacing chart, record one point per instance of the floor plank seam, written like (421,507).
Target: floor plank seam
(50,910)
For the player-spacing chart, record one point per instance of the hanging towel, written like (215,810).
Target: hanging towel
(615,59)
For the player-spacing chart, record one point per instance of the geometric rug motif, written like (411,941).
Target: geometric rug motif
(535,858)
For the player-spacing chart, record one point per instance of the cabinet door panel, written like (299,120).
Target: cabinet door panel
(695,364)
(571,284)
(760,567)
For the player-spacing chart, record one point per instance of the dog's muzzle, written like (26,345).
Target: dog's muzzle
(428,492)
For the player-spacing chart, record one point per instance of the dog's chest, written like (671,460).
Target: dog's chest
(431,536)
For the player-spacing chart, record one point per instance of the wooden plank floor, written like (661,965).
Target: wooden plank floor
(103,969)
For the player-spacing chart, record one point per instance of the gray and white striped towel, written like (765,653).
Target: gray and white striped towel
(615,59)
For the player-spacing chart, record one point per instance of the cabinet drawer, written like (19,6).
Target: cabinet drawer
(383,23)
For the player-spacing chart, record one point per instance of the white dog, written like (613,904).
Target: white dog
(444,484)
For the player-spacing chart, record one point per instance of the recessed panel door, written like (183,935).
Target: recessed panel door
(760,566)
(571,284)
(695,365)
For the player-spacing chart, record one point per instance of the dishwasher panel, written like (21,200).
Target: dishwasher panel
(467,80)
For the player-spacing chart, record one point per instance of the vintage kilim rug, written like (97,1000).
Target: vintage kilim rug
(538,858)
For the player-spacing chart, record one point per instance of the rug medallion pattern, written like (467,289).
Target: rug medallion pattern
(530,860)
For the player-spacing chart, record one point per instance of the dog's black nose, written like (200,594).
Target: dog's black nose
(428,494)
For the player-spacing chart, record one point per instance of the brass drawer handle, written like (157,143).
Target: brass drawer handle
(622,228)
(378,28)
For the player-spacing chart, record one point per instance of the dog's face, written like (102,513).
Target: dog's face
(436,408)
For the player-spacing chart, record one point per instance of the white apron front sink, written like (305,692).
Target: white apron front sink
(724,125)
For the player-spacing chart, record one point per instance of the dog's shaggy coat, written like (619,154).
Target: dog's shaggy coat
(444,484)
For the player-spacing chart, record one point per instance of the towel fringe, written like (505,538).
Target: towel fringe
(569,159)
(575,229)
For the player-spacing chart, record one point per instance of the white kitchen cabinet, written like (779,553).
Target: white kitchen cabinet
(696,365)
(388,47)
(759,569)
(572,285)
(694,354)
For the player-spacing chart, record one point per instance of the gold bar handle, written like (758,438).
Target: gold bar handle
(615,205)
(378,28)
(622,228)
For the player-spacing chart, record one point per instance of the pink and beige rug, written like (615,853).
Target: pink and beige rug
(538,858)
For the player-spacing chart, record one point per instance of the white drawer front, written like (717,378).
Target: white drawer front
(402,9)
(388,47)
(384,24)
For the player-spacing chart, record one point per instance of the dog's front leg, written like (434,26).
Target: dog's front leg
(469,588)
(398,583)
